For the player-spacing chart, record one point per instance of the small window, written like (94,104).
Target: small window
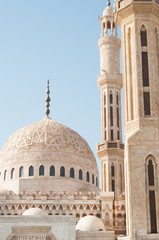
(112,170)
(93,179)
(147,103)
(145,69)
(52,171)
(21,172)
(96,181)
(31,171)
(80,174)
(111,98)
(112,135)
(62,172)
(117,117)
(113,185)
(87,176)
(41,170)
(143,38)
(111,116)
(5,175)
(151,173)
(72,175)
(118,135)
(117,98)
(104,99)
(12,173)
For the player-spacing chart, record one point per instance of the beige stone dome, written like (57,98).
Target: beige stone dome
(108,11)
(90,224)
(34,212)
(48,144)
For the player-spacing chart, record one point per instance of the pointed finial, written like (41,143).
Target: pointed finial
(47,100)
(108,3)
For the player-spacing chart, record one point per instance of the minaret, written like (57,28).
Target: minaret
(111,150)
(139,22)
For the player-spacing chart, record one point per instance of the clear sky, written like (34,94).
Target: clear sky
(56,40)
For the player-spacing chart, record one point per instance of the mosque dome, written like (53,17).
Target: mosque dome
(90,224)
(43,155)
(108,11)
(34,212)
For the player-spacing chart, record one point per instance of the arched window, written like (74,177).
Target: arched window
(80,174)
(52,171)
(31,171)
(21,172)
(87,176)
(92,178)
(112,170)
(12,173)
(5,175)
(151,173)
(151,187)
(62,172)
(107,219)
(41,170)
(96,181)
(72,175)
(143,34)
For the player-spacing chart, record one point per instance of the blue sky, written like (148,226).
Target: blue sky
(56,40)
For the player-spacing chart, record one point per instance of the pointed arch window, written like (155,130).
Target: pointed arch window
(152,195)
(87,176)
(92,178)
(52,171)
(96,181)
(21,172)
(143,34)
(31,171)
(41,170)
(80,174)
(12,173)
(72,174)
(5,175)
(62,172)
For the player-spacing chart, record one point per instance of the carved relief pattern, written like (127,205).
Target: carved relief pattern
(48,134)
(31,237)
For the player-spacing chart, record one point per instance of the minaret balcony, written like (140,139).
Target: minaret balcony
(110,78)
(108,145)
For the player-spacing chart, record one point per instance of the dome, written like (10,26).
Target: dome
(43,155)
(108,11)
(90,224)
(34,212)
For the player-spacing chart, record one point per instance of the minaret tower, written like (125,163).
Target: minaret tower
(111,150)
(139,22)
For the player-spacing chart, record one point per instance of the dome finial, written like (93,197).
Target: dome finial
(108,3)
(47,100)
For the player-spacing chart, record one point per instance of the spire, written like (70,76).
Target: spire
(47,100)
(108,3)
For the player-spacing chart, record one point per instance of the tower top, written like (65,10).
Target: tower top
(108,3)
(47,100)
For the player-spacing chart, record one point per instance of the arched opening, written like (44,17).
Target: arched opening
(5,175)
(80,174)
(72,174)
(152,196)
(96,181)
(12,173)
(41,170)
(108,28)
(21,172)
(31,171)
(87,176)
(93,179)
(107,219)
(62,172)
(143,34)
(119,220)
(52,171)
